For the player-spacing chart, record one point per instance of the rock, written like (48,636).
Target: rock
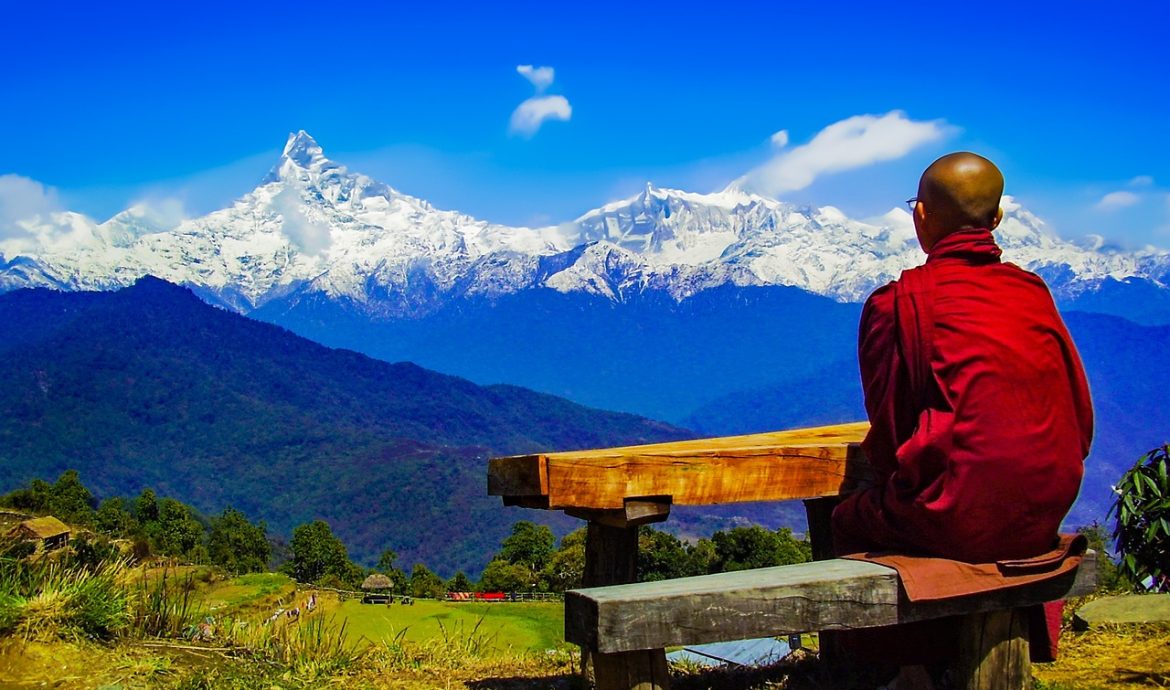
(1127,608)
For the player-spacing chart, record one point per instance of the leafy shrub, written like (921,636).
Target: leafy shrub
(1142,508)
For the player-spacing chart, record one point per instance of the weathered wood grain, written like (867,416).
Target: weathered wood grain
(732,606)
(783,465)
(611,558)
(825,595)
(522,475)
(993,651)
(640,670)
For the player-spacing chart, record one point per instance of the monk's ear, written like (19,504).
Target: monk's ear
(998,218)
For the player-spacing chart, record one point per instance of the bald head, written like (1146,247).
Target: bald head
(959,190)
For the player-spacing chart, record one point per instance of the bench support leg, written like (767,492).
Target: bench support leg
(641,670)
(819,512)
(993,651)
(611,558)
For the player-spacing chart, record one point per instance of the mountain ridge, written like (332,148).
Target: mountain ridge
(314,230)
(150,386)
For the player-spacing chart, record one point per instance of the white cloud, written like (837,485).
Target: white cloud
(24,199)
(780,139)
(854,142)
(1117,200)
(1141,181)
(541,77)
(532,113)
(32,220)
(160,213)
(311,236)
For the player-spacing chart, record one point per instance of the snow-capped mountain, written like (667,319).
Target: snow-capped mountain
(313,229)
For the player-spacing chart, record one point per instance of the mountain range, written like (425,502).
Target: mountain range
(150,387)
(313,231)
(724,313)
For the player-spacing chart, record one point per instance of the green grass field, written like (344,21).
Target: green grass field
(517,626)
(252,593)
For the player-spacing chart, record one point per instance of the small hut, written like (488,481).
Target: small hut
(377,583)
(377,588)
(48,532)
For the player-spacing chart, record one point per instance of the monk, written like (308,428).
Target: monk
(979,408)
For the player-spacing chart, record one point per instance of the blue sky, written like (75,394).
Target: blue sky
(102,107)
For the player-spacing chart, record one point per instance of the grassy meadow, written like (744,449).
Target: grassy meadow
(427,646)
(515,626)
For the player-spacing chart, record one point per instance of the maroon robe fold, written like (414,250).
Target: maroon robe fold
(979,409)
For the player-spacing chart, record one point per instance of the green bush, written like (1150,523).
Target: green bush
(1142,508)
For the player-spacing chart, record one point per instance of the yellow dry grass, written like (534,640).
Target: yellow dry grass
(1115,657)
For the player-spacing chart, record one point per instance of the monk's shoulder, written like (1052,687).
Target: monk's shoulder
(1023,273)
(879,307)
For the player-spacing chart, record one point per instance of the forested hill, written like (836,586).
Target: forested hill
(149,386)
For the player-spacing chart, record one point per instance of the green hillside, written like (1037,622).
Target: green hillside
(149,386)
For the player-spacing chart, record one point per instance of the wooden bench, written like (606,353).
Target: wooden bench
(624,627)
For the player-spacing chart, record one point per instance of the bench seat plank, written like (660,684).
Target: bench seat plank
(824,595)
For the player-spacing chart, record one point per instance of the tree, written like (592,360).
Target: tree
(146,507)
(530,545)
(661,556)
(1142,508)
(502,576)
(424,584)
(237,545)
(386,562)
(33,499)
(702,558)
(566,568)
(70,500)
(315,553)
(177,532)
(114,518)
(459,583)
(744,548)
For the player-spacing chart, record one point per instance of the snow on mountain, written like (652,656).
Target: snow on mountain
(313,228)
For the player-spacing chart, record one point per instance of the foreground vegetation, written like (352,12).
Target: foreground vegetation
(93,615)
(73,624)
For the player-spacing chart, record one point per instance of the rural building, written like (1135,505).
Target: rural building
(48,532)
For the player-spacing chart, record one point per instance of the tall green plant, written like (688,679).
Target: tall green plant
(48,598)
(1142,508)
(164,605)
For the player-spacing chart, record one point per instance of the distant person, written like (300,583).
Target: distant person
(978,404)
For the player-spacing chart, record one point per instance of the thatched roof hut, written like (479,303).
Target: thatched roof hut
(48,532)
(377,581)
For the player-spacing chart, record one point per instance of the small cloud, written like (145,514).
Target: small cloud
(1117,200)
(780,139)
(32,220)
(24,199)
(532,113)
(1141,181)
(541,77)
(312,236)
(159,213)
(854,142)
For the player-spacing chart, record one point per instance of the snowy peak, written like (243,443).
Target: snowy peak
(301,158)
(303,150)
(314,230)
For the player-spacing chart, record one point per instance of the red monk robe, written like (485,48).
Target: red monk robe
(980,412)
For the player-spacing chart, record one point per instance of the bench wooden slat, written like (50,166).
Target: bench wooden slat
(824,595)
